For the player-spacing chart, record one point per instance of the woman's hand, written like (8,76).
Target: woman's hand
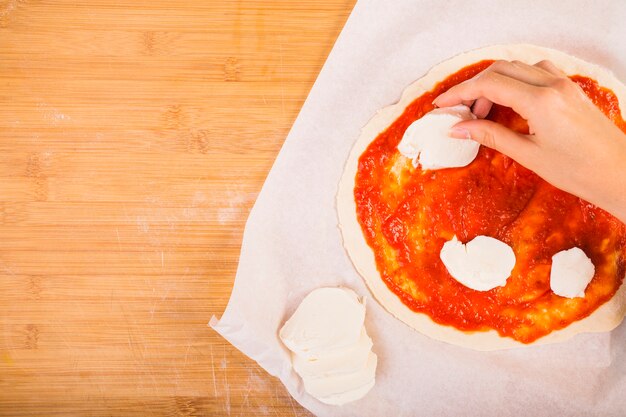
(571,144)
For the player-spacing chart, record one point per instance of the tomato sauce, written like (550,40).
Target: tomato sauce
(407,214)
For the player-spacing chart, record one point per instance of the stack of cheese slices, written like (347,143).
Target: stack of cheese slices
(330,347)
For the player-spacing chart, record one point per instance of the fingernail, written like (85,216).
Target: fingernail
(459,133)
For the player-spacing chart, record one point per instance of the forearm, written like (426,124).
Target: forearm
(606,186)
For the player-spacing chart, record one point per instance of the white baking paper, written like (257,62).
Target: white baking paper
(292,243)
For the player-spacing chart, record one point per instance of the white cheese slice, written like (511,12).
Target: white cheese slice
(349,396)
(482,264)
(427,142)
(337,384)
(571,272)
(327,319)
(338,361)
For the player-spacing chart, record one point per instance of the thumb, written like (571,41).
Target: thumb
(496,136)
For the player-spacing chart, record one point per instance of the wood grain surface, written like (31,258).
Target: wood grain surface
(134,139)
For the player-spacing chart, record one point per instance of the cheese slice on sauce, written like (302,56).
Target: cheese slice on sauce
(482,264)
(427,143)
(571,272)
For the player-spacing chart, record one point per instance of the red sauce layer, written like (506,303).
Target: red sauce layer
(407,214)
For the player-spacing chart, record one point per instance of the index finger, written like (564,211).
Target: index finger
(495,87)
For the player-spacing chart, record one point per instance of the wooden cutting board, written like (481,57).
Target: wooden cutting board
(134,139)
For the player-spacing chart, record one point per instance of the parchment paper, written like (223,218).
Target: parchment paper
(292,243)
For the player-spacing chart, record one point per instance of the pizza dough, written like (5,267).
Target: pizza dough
(605,318)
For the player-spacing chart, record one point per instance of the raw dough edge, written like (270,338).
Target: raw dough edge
(604,319)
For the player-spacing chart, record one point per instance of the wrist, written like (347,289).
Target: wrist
(607,183)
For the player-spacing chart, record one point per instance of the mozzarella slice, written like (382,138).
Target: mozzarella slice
(571,272)
(482,264)
(342,383)
(427,143)
(338,361)
(327,319)
(349,396)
